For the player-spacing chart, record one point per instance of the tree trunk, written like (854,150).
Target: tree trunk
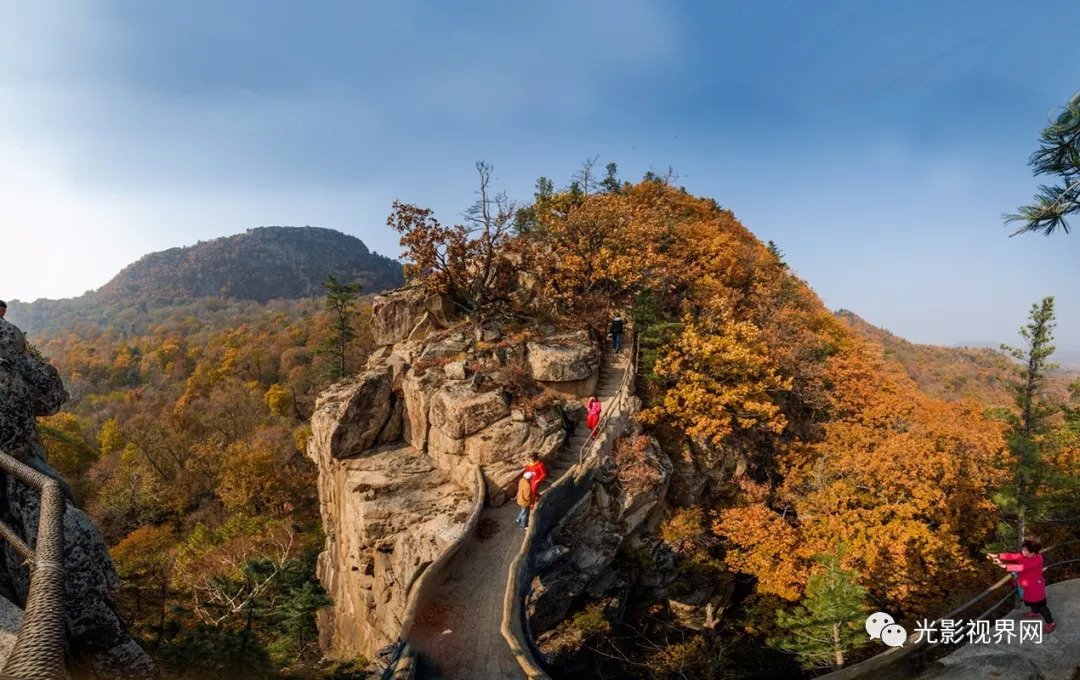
(838,651)
(161,616)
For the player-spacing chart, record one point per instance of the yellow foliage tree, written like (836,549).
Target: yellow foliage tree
(279,400)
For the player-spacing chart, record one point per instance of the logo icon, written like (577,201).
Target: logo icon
(882,626)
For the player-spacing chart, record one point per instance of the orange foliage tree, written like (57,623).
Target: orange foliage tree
(901,480)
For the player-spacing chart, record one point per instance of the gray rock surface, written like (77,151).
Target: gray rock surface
(583,547)
(396,315)
(350,414)
(1055,658)
(30,387)
(10,620)
(563,358)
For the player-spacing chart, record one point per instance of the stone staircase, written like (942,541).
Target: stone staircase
(458,635)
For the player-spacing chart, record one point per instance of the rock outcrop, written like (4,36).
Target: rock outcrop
(1055,656)
(30,387)
(566,363)
(387,516)
(408,314)
(576,557)
(398,447)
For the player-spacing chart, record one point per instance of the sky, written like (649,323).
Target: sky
(877,144)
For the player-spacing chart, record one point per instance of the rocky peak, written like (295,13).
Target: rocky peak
(398,448)
(30,387)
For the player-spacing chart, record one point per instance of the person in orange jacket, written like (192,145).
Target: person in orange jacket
(525,499)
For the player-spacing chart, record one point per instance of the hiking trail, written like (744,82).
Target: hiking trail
(457,633)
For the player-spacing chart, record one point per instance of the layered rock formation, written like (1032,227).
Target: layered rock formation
(576,557)
(399,444)
(30,387)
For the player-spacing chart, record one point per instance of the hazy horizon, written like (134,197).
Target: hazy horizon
(877,146)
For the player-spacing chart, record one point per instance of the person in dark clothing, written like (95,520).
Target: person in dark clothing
(616,332)
(3,309)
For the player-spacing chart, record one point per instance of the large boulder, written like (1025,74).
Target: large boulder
(387,517)
(396,315)
(350,415)
(29,387)
(459,409)
(504,449)
(567,364)
(563,358)
(417,389)
(99,639)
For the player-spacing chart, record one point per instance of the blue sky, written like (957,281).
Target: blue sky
(876,143)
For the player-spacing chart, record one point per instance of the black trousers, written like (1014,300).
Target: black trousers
(1041,608)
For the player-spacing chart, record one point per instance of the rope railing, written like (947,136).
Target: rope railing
(39,650)
(915,655)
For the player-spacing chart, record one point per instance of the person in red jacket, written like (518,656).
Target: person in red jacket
(539,470)
(1028,567)
(593,409)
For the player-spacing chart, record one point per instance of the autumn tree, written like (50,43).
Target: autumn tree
(1058,156)
(67,447)
(474,264)
(723,380)
(341,303)
(145,561)
(903,481)
(828,624)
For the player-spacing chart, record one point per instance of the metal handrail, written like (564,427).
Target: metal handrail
(628,375)
(39,650)
(921,648)
(1009,596)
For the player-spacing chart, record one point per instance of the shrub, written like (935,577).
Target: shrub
(634,468)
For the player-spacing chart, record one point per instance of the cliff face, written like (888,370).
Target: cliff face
(29,387)
(398,447)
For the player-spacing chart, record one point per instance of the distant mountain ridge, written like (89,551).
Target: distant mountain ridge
(228,273)
(259,265)
(975,370)
(1067,358)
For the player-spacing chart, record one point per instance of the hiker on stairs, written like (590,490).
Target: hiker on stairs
(593,407)
(525,499)
(539,470)
(616,332)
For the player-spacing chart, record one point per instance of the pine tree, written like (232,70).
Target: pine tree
(828,624)
(1058,155)
(775,250)
(296,614)
(341,302)
(1028,423)
(610,183)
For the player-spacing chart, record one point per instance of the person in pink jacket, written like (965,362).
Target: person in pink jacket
(593,409)
(1028,567)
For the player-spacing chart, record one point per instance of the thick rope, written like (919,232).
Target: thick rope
(39,649)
